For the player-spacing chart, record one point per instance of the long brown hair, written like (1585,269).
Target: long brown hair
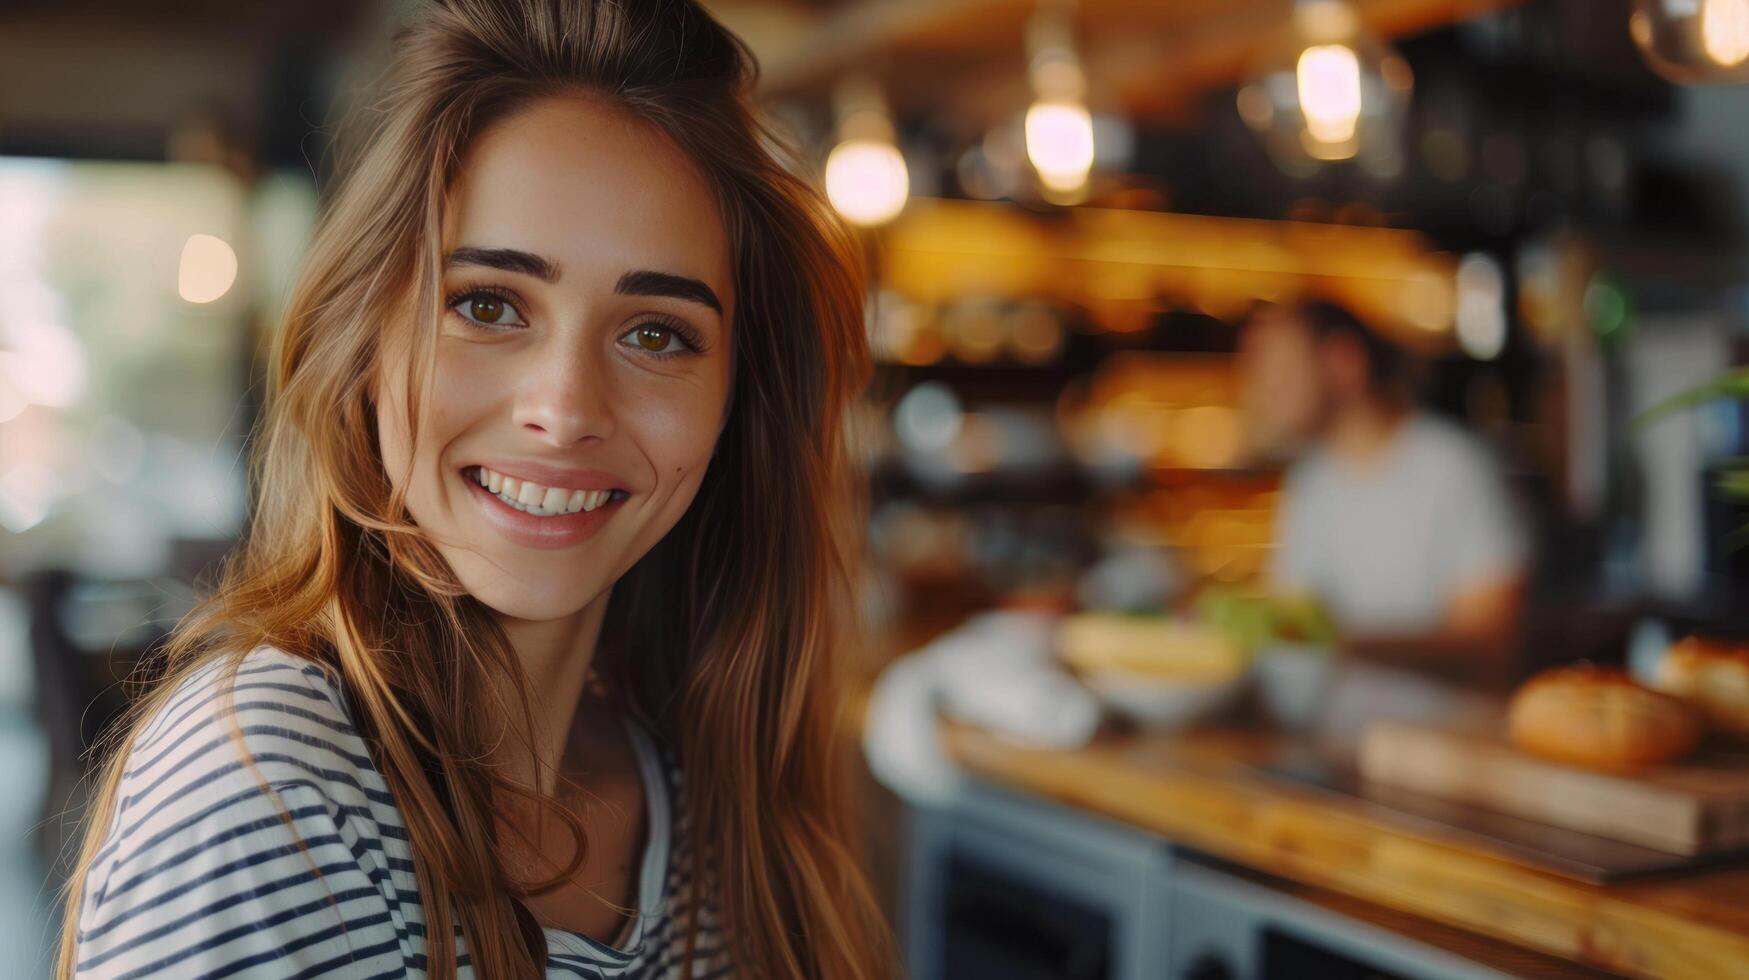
(724,637)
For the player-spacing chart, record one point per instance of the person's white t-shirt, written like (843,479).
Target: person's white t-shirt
(1388,543)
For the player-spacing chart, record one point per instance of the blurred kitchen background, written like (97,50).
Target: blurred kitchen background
(1072,211)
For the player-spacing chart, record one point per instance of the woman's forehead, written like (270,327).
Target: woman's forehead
(592,188)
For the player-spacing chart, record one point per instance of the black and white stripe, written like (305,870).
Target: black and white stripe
(254,837)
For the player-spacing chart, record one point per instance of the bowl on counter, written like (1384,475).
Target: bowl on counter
(1163,702)
(1158,671)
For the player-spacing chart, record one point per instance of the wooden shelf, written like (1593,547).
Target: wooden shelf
(1120,264)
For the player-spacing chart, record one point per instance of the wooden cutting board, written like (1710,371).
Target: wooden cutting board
(1691,808)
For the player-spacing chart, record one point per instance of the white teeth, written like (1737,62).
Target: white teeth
(532,498)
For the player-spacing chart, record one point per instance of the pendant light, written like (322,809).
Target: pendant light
(1059,129)
(1325,89)
(866,178)
(1694,41)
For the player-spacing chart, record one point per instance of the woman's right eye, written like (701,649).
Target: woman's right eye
(487,309)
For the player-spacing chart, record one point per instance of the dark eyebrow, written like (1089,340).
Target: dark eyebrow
(643,282)
(507,259)
(639,282)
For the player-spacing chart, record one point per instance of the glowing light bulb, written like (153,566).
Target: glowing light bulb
(1329,89)
(1695,42)
(207,270)
(1059,142)
(1058,127)
(1323,89)
(866,180)
(1724,31)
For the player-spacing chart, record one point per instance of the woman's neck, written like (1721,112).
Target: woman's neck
(556,656)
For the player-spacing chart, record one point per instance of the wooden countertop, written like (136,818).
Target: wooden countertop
(1197,790)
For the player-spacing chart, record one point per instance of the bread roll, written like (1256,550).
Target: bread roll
(1597,717)
(1154,646)
(1712,675)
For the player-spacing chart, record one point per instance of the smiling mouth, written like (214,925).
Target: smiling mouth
(540,501)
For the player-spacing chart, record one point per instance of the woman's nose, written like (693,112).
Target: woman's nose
(565,399)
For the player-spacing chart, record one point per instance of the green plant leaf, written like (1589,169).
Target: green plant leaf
(1734,483)
(1733,385)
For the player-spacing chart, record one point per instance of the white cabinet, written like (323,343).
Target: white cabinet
(1004,886)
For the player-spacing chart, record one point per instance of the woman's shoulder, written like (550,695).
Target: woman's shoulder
(247,820)
(234,742)
(237,728)
(268,715)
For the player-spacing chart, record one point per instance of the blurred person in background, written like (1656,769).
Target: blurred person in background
(524,667)
(1399,522)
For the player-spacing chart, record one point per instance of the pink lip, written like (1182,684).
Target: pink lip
(554,476)
(530,531)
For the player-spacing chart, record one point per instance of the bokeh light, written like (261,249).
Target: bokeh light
(866,181)
(208,269)
(1059,142)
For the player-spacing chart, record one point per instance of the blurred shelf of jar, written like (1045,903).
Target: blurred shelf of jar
(1048,392)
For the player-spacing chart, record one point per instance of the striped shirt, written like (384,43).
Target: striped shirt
(271,847)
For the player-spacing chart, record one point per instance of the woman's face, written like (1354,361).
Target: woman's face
(583,365)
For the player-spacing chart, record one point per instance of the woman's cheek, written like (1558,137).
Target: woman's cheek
(683,429)
(462,381)
(393,443)
(466,388)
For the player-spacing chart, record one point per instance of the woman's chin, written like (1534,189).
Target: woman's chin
(534,602)
(534,608)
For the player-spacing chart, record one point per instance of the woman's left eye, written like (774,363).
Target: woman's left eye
(656,338)
(487,309)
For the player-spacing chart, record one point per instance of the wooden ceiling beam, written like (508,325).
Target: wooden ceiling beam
(1146,58)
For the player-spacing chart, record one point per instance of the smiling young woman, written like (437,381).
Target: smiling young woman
(525,666)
